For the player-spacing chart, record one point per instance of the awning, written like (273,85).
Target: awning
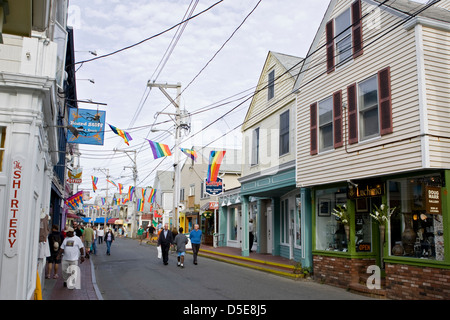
(99,220)
(115,221)
(87,219)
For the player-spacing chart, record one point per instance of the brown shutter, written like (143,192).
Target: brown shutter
(352,114)
(337,119)
(384,97)
(330,46)
(313,128)
(357,29)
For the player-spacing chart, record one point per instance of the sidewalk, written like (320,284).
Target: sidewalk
(54,289)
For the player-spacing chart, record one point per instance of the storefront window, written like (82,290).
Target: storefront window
(297,228)
(330,234)
(416,227)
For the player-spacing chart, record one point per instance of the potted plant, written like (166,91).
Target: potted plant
(382,215)
(344,218)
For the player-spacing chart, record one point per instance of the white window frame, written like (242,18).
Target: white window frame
(362,109)
(271,85)
(282,134)
(322,124)
(346,36)
(254,154)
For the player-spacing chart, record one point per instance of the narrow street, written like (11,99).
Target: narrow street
(133,272)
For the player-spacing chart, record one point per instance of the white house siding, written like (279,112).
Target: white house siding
(379,156)
(265,114)
(437,70)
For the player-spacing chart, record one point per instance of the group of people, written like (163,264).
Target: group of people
(72,245)
(166,239)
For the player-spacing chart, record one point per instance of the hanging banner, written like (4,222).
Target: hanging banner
(86,126)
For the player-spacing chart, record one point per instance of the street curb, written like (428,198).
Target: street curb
(94,282)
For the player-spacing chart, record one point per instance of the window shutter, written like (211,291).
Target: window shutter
(357,29)
(330,46)
(313,128)
(337,119)
(352,114)
(384,97)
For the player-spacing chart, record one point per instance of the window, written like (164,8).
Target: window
(284,133)
(182,194)
(370,107)
(255,147)
(2,146)
(271,85)
(343,34)
(192,190)
(285,221)
(330,234)
(326,124)
(233,218)
(416,228)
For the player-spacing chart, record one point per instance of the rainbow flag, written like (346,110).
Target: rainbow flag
(94,183)
(112,182)
(215,160)
(120,188)
(151,198)
(159,150)
(190,153)
(125,135)
(130,193)
(75,200)
(140,205)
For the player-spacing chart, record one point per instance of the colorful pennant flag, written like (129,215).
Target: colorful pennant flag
(215,160)
(112,182)
(190,153)
(125,135)
(159,150)
(151,198)
(75,200)
(140,205)
(130,193)
(94,183)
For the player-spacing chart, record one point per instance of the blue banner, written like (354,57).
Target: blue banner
(86,126)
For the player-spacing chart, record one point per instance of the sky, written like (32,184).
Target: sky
(217,60)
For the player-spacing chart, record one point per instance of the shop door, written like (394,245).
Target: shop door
(269,228)
(291,234)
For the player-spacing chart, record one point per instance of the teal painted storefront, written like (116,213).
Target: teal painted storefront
(282,213)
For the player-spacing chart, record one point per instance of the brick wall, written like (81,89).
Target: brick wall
(411,282)
(340,272)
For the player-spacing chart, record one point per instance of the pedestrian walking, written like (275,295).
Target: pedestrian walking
(71,250)
(181,241)
(140,234)
(94,242)
(165,240)
(54,240)
(88,237)
(250,233)
(100,234)
(109,238)
(196,238)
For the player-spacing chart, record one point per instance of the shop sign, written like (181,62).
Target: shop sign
(214,205)
(86,126)
(14,207)
(433,200)
(74,175)
(367,191)
(214,188)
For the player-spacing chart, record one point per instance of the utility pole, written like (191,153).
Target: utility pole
(178,126)
(105,172)
(135,177)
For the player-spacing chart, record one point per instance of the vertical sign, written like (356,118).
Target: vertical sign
(14,206)
(433,200)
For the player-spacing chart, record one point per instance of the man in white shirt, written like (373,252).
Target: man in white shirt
(71,249)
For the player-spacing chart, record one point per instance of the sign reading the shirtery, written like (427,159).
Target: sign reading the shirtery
(14,209)
(86,126)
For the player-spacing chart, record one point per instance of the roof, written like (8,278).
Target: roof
(411,7)
(290,63)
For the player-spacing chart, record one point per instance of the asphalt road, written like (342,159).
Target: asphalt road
(133,272)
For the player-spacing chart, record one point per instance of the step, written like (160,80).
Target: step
(257,264)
